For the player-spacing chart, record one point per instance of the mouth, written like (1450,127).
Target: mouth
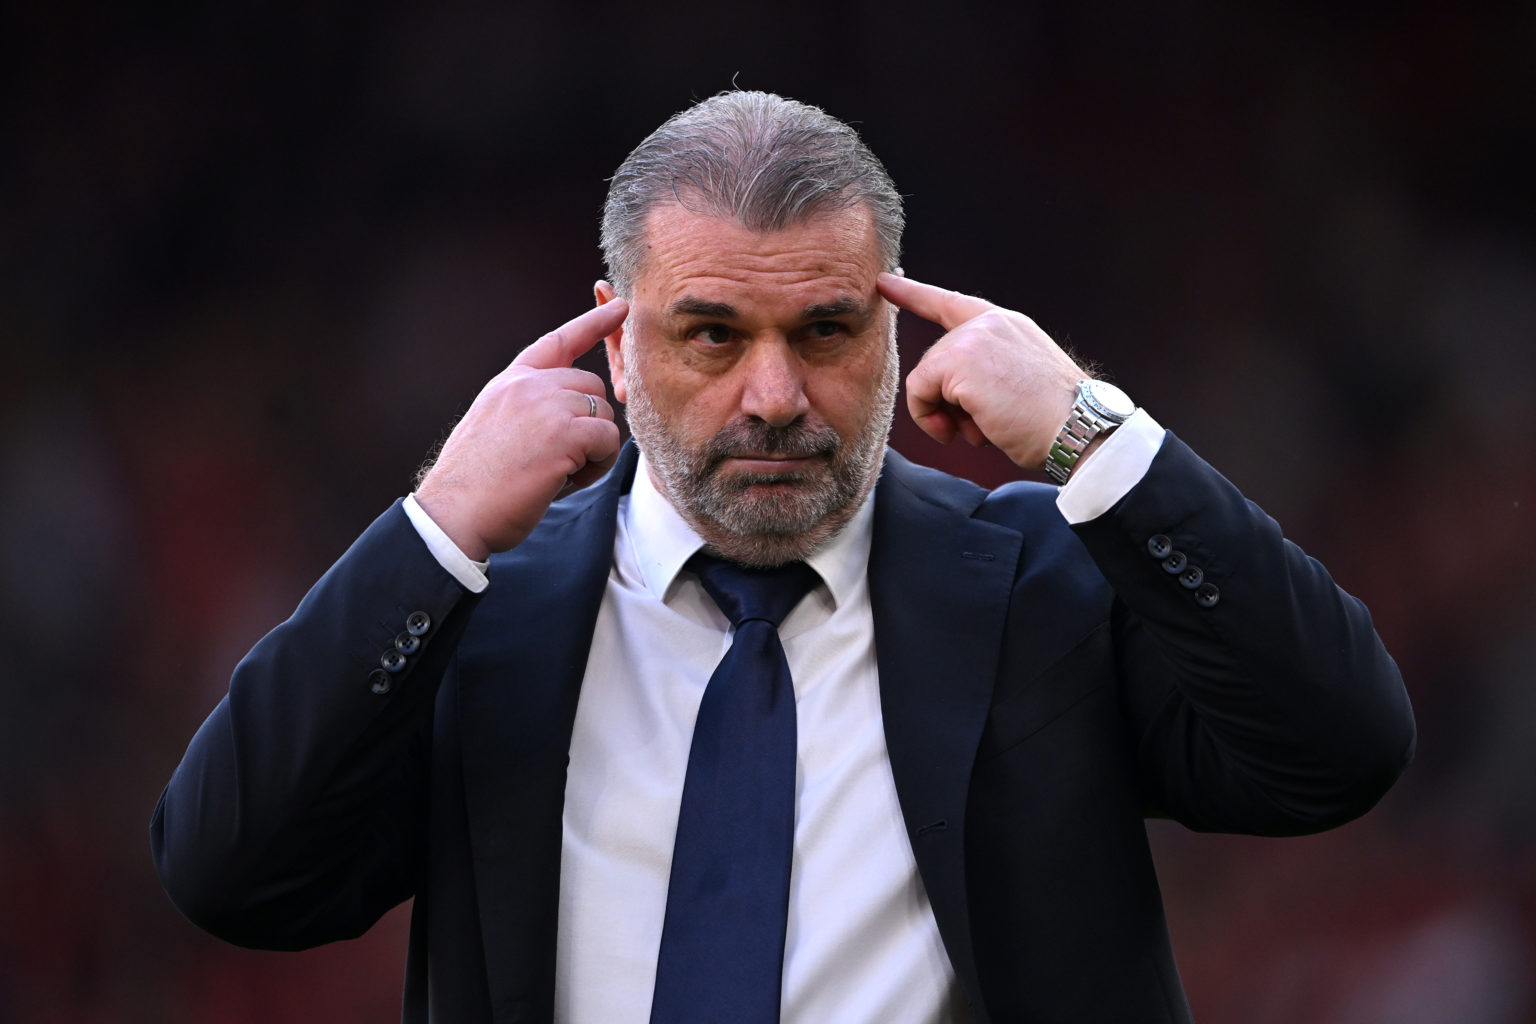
(754,454)
(767,462)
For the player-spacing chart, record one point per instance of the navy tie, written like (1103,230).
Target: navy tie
(722,943)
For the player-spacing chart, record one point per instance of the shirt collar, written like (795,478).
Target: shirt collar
(663,542)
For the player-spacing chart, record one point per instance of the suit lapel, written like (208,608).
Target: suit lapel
(521,666)
(940,583)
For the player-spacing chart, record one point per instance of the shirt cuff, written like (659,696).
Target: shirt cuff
(1117,465)
(459,565)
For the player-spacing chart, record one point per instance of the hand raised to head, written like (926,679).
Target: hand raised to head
(995,377)
(536,427)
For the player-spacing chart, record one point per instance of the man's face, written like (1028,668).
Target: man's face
(759,372)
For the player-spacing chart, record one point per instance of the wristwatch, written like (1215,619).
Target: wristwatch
(1100,407)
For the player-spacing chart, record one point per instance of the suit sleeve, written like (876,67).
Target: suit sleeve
(296,816)
(1260,697)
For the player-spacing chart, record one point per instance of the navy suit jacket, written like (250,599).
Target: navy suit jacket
(1043,688)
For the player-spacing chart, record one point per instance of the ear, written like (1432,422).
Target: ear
(614,343)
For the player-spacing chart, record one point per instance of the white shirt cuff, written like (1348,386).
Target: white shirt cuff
(1117,465)
(463,568)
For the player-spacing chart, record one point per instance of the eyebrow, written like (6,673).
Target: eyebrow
(846,306)
(688,305)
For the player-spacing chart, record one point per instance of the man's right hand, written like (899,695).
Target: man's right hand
(528,435)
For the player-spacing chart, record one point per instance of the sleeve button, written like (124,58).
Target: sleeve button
(379,681)
(393,661)
(1190,579)
(1175,562)
(1207,596)
(1159,546)
(407,644)
(418,623)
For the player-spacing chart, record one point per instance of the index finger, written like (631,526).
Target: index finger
(946,308)
(571,340)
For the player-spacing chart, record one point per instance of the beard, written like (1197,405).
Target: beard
(764,519)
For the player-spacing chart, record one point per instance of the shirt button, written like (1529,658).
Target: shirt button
(1192,577)
(1159,546)
(418,623)
(1175,562)
(1207,595)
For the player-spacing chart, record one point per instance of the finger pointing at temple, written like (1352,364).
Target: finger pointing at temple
(946,308)
(536,427)
(574,339)
(994,377)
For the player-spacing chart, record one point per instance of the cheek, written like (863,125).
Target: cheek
(708,410)
(846,398)
(694,407)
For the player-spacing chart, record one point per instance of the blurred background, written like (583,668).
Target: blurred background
(257,257)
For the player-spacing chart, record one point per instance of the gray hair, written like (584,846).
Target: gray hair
(761,160)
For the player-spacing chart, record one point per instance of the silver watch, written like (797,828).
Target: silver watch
(1100,407)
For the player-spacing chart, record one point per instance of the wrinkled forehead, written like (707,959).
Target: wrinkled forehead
(827,257)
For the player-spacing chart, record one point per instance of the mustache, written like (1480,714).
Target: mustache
(798,440)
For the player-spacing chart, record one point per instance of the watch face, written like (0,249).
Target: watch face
(1115,404)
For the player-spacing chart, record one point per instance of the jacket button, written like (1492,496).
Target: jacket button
(379,681)
(1207,595)
(393,661)
(1190,578)
(418,623)
(407,644)
(1175,562)
(1159,546)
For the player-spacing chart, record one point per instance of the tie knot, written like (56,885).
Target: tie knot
(743,592)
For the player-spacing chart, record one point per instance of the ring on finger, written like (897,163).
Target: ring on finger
(591,405)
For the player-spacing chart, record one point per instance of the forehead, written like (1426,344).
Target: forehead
(700,256)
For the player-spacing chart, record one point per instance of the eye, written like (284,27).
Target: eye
(713,334)
(825,329)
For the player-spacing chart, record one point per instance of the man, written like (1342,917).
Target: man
(490,701)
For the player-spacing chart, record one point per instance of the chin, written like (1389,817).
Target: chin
(764,533)
(765,551)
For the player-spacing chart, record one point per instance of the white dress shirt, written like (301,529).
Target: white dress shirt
(862,944)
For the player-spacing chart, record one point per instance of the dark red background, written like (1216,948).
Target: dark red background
(255,257)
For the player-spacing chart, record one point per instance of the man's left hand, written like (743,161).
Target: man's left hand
(995,377)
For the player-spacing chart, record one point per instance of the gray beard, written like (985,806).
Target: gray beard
(739,518)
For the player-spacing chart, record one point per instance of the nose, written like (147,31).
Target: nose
(773,387)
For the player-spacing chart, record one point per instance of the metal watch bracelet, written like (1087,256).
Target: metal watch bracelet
(1085,422)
